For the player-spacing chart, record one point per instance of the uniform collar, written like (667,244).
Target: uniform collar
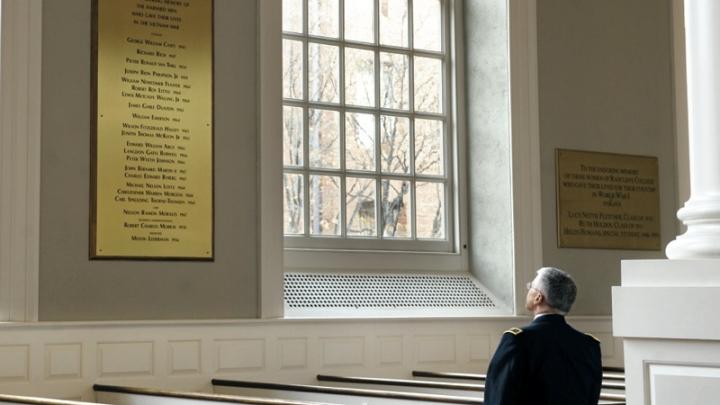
(549,318)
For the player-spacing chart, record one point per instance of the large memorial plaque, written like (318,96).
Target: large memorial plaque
(152,174)
(607,201)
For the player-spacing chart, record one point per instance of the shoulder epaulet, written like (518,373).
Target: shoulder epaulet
(514,331)
(594,338)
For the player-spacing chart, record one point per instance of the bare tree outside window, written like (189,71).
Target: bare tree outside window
(365,120)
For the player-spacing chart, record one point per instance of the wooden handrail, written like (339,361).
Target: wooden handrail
(374,393)
(201,396)
(401,382)
(482,377)
(40,401)
(350,391)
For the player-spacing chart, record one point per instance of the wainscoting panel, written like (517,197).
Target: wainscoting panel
(186,355)
(390,351)
(63,361)
(672,384)
(240,355)
(293,353)
(14,362)
(343,351)
(479,348)
(439,349)
(125,359)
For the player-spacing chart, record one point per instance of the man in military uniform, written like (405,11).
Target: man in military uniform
(547,362)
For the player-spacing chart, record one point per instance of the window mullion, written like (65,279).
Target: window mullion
(306,122)
(411,103)
(378,143)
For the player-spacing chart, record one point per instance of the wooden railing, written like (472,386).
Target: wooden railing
(454,386)
(199,396)
(481,377)
(350,392)
(402,383)
(15,399)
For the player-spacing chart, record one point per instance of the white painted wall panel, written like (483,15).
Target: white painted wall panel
(240,355)
(63,361)
(117,359)
(15,361)
(434,349)
(343,351)
(684,384)
(185,357)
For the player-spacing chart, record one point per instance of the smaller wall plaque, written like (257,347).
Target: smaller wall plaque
(607,201)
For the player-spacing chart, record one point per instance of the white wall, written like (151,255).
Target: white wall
(605,84)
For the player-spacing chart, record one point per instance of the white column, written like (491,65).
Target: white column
(701,213)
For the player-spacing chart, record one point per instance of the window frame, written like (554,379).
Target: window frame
(301,250)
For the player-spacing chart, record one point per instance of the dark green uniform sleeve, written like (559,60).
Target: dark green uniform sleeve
(504,382)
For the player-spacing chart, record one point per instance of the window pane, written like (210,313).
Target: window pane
(292,136)
(428,85)
(324,73)
(427,25)
(394,22)
(323,18)
(324,205)
(396,209)
(292,69)
(395,144)
(359,141)
(430,206)
(359,77)
(359,16)
(360,206)
(294,196)
(429,158)
(394,79)
(324,139)
(292,20)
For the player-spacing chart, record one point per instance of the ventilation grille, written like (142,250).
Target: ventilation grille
(354,291)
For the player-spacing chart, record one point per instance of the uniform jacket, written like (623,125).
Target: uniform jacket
(545,363)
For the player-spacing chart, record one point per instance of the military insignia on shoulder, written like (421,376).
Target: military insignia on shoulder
(514,331)
(594,338)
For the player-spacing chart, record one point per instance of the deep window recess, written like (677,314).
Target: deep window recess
(366,140)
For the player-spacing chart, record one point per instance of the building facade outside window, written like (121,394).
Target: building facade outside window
(367,137)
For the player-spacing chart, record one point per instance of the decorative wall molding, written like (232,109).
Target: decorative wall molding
(20,159)
(63,360)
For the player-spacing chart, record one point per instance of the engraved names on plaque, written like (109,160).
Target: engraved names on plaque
(153,179)
(607,201)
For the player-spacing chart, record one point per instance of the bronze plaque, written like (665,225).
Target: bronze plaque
(607,201)
(152,185)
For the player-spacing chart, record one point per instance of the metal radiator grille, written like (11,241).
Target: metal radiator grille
(324,291)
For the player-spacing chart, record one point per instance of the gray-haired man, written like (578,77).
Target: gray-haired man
(547,362)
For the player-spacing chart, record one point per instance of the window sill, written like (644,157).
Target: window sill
(375,260)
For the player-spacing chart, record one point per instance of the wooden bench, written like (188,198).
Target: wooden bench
(346,396)
(118,395)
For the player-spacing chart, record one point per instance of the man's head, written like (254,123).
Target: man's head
(552,291)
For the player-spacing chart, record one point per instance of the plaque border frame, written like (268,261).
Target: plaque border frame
(92,253)
(557,200)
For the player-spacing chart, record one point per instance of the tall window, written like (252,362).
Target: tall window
(366,146)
